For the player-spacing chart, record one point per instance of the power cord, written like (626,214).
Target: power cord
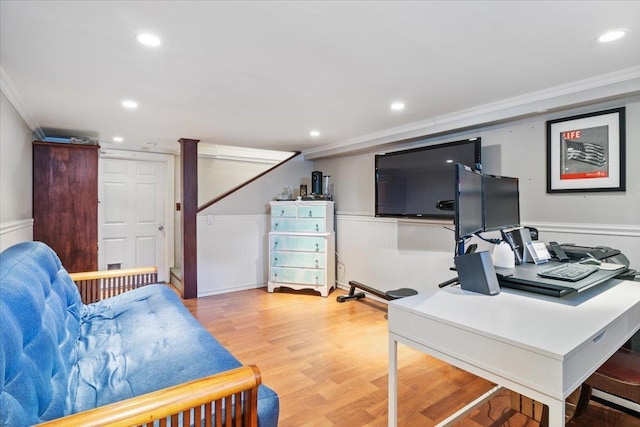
(493,241)
(339,262)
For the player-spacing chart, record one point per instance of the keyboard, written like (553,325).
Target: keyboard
(571,272)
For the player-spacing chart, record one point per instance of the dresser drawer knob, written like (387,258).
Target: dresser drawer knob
(317,227)
(310,214)
(317,247)
(282,212)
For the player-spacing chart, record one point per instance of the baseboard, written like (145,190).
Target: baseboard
(232,289)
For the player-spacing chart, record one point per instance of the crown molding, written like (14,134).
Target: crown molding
(106,148)
(208,151)
(7,87)
(615,85)
(242,154)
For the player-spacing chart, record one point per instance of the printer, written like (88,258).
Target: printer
(601,253)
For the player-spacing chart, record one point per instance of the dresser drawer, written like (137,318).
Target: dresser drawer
(297,259)
(298,225)
(311,211)
(284,211)
(297,275)
(298,243)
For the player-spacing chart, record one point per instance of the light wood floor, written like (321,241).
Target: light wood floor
(328,363)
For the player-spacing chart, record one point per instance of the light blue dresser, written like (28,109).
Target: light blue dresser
(302,246)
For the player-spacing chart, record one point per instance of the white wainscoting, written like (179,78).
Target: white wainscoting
(388,253)
(15,232)
(232,253)
(384,253)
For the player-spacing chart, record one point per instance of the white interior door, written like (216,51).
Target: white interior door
(132,215)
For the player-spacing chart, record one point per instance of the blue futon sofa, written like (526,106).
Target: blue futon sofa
(59,356)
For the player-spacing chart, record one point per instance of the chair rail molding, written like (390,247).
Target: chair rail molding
(596,229)
(13,232)
(11,226)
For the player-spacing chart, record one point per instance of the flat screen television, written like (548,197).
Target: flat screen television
(410,183)
(501,202)
(468,202)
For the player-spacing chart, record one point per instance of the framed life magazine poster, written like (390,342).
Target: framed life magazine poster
(586,152)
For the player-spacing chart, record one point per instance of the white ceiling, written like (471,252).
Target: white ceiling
(262,74)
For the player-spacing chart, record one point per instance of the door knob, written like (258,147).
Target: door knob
(161,228)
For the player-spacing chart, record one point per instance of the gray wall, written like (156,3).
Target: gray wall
(216,176)
(15,164)
(512,149)
(255,197)
(16,223)
(390,253)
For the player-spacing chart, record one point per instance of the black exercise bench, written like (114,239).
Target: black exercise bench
(389,295)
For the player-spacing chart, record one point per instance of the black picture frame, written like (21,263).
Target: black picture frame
(586,153)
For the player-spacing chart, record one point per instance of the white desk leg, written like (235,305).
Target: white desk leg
(393,382)
(556,413)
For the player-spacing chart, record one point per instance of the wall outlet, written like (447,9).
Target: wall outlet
(209,219)
(341,271)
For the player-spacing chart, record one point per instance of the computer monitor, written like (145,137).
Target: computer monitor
(468,202)
(501,202)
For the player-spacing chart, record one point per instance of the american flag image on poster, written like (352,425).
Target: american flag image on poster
(584,153)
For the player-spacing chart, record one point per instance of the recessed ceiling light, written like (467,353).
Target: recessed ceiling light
(118,139)
(129,104)
(314,133)
(149,39)
(612,35)
(397,106)
(449,161)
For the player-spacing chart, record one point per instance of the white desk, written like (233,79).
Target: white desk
(542,347)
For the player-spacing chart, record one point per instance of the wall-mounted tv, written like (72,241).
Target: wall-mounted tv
(410,183)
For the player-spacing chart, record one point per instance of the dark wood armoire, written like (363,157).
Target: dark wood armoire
(65,202)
